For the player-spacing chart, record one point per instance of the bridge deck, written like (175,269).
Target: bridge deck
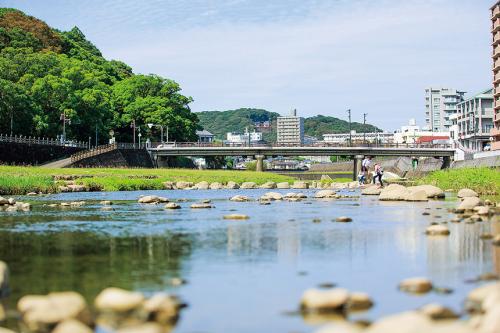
(301,150)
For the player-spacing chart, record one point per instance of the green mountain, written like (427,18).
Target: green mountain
(221,122)
(47,75)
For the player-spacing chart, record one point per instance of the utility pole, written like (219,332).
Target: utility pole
(96,135)
(167,133)
(350,131)
(364,129)
(133,130)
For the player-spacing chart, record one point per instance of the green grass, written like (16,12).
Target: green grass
(484,181)
(21,180)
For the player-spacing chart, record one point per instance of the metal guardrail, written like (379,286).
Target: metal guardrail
(42,141)
(166,145)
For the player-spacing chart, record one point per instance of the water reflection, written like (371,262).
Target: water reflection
(243,274)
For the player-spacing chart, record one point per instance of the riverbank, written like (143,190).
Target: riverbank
(485,181)
(23,180)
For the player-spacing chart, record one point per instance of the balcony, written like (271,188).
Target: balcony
(496,78)
(495,13)
(496,25)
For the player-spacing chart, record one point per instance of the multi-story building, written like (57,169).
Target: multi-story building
(373,137)
(440,104)
(243,138)
(412,133)
(475,121)
(290,129)
(495,31)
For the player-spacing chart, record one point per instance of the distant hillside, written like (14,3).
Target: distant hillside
(221,122)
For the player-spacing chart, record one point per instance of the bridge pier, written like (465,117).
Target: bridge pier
(356,166)
(446,162)
(259,167)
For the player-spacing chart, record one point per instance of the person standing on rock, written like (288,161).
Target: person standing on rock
(365,167)
(378,174)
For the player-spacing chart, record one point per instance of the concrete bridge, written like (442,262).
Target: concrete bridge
(261,151)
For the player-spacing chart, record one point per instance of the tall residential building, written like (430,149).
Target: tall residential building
(475,120)
(290,129)
(495,31)
(440,104)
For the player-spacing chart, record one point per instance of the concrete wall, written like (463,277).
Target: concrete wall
(490,162)
(33,154)
(118,158)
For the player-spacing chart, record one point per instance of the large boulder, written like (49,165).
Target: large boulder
(169,185)
(216,186)
(232,185)
(469,203)
(272,196)
(181,185)
(115,300)
(71,326)
(42,313)
(482,298)
(162,308)
(283,185)
(4,280)
(325,194)
(371,190)
(394,192)
(268,185)
(300,185)
(430,190)
(416,195)
(465,193)
(248,185)
(202,185)
(4,201)
(240,198)
(406,322)
(152,199)
(315,300)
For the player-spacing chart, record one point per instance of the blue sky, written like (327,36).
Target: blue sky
(319,56)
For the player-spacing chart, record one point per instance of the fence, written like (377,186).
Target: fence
(42,141)
(104,149)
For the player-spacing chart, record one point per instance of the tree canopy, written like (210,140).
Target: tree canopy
(45,73)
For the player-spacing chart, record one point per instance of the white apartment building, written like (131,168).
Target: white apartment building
(243,138)
(290,129)
(412,133)
(474,121)
(440,104)
(378,137)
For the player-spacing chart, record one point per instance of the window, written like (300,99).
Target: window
(436,100)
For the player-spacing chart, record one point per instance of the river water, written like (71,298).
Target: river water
(242,276)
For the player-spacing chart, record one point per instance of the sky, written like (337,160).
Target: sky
(317,56)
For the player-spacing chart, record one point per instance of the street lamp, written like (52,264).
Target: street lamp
(150,125)
(364,127)
(139,135)
(350,131)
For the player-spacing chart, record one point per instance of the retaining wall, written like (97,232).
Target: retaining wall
(117,158)
(14,153)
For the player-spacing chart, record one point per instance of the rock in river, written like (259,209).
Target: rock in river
(371,190)
(437,311)
(272,196)
(469,203)
(268,185)
(248,185)
(232,185)
(201,205)
(300,185)
(152,199)
(202,185)
(359,301)
(240,198)
(437,230)
(283,185)
(236,217)
(41,313)
(4,280)
(416,285)
(330,300)
(172,205)
(325,194)
(465,192)
(118,300)
(71,326)
(343,219)
(430,190)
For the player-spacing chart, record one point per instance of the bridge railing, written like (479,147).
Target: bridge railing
(42,141)
(158,145)
(93,152)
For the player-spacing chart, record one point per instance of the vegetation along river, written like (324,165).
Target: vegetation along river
(242,275)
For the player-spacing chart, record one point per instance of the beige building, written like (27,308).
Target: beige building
(440,104)
(290,129)
(495,31)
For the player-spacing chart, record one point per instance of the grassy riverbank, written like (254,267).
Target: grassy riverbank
(21,180)
(485,181)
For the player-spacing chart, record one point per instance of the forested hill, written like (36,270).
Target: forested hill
(221,122)
(46,73)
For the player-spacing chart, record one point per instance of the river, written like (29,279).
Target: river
(242,276)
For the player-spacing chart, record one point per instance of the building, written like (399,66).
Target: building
(412,132)
(495,31)
(205,136)
(475,121)
(290,129)
(440,104)
(243,138)
(374,137)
